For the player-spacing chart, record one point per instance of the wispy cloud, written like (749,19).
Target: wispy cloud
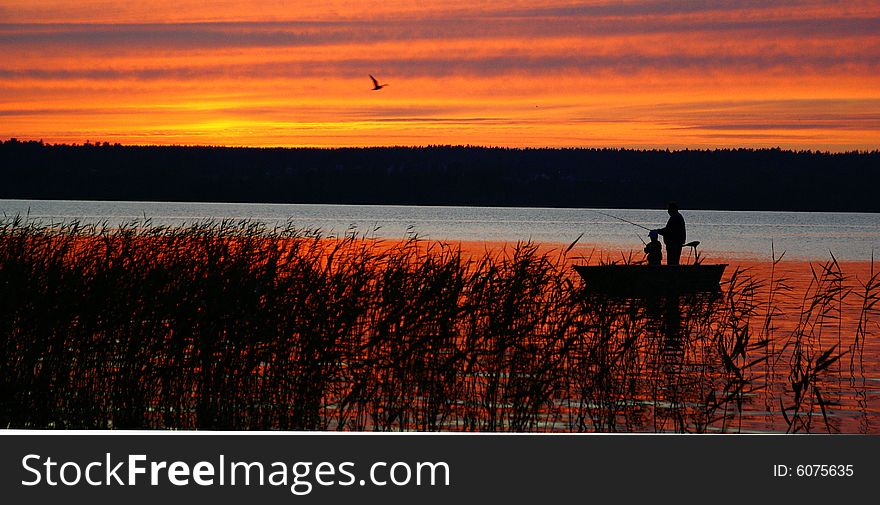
(649,73)
(188,36)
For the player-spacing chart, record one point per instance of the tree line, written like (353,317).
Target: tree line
(735,179)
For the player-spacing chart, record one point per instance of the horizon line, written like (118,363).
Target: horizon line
(90,143)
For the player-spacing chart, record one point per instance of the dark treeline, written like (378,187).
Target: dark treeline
(762,179)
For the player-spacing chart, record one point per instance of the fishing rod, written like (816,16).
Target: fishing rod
(622,219)
(625,221)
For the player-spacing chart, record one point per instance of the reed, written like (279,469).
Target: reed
(233,325)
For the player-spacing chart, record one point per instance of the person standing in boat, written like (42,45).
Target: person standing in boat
(654,250)
(674,234)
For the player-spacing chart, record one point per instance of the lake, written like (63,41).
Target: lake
(726,234)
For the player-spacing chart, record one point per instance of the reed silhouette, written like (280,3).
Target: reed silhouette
(232,325)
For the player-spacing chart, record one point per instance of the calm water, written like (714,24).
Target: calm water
(802,235)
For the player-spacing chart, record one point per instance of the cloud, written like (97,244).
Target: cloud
(667,8)
(844,123)
(624,72)
(192,36)
(483,66)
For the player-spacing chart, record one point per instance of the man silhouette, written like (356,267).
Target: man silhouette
(673,234)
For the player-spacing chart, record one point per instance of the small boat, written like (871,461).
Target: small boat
(644,280)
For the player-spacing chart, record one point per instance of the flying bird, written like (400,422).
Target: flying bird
(376,85)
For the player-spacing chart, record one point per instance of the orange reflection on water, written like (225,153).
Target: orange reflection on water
(219,327)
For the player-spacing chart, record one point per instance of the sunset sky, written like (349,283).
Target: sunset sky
(668,74)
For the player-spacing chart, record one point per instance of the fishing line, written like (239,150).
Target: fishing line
(622,219)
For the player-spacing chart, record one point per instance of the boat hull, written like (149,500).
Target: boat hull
(643,280)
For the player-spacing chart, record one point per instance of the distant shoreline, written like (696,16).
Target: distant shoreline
(724,179)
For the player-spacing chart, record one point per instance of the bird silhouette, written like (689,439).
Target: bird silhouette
(376,85)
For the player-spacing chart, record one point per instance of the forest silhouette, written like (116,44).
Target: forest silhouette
(734,179)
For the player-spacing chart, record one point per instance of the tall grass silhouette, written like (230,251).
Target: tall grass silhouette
(233,325)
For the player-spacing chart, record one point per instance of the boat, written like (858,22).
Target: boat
(645,280)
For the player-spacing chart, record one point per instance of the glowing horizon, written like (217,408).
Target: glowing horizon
(546,73)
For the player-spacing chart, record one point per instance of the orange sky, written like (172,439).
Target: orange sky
(667,73)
